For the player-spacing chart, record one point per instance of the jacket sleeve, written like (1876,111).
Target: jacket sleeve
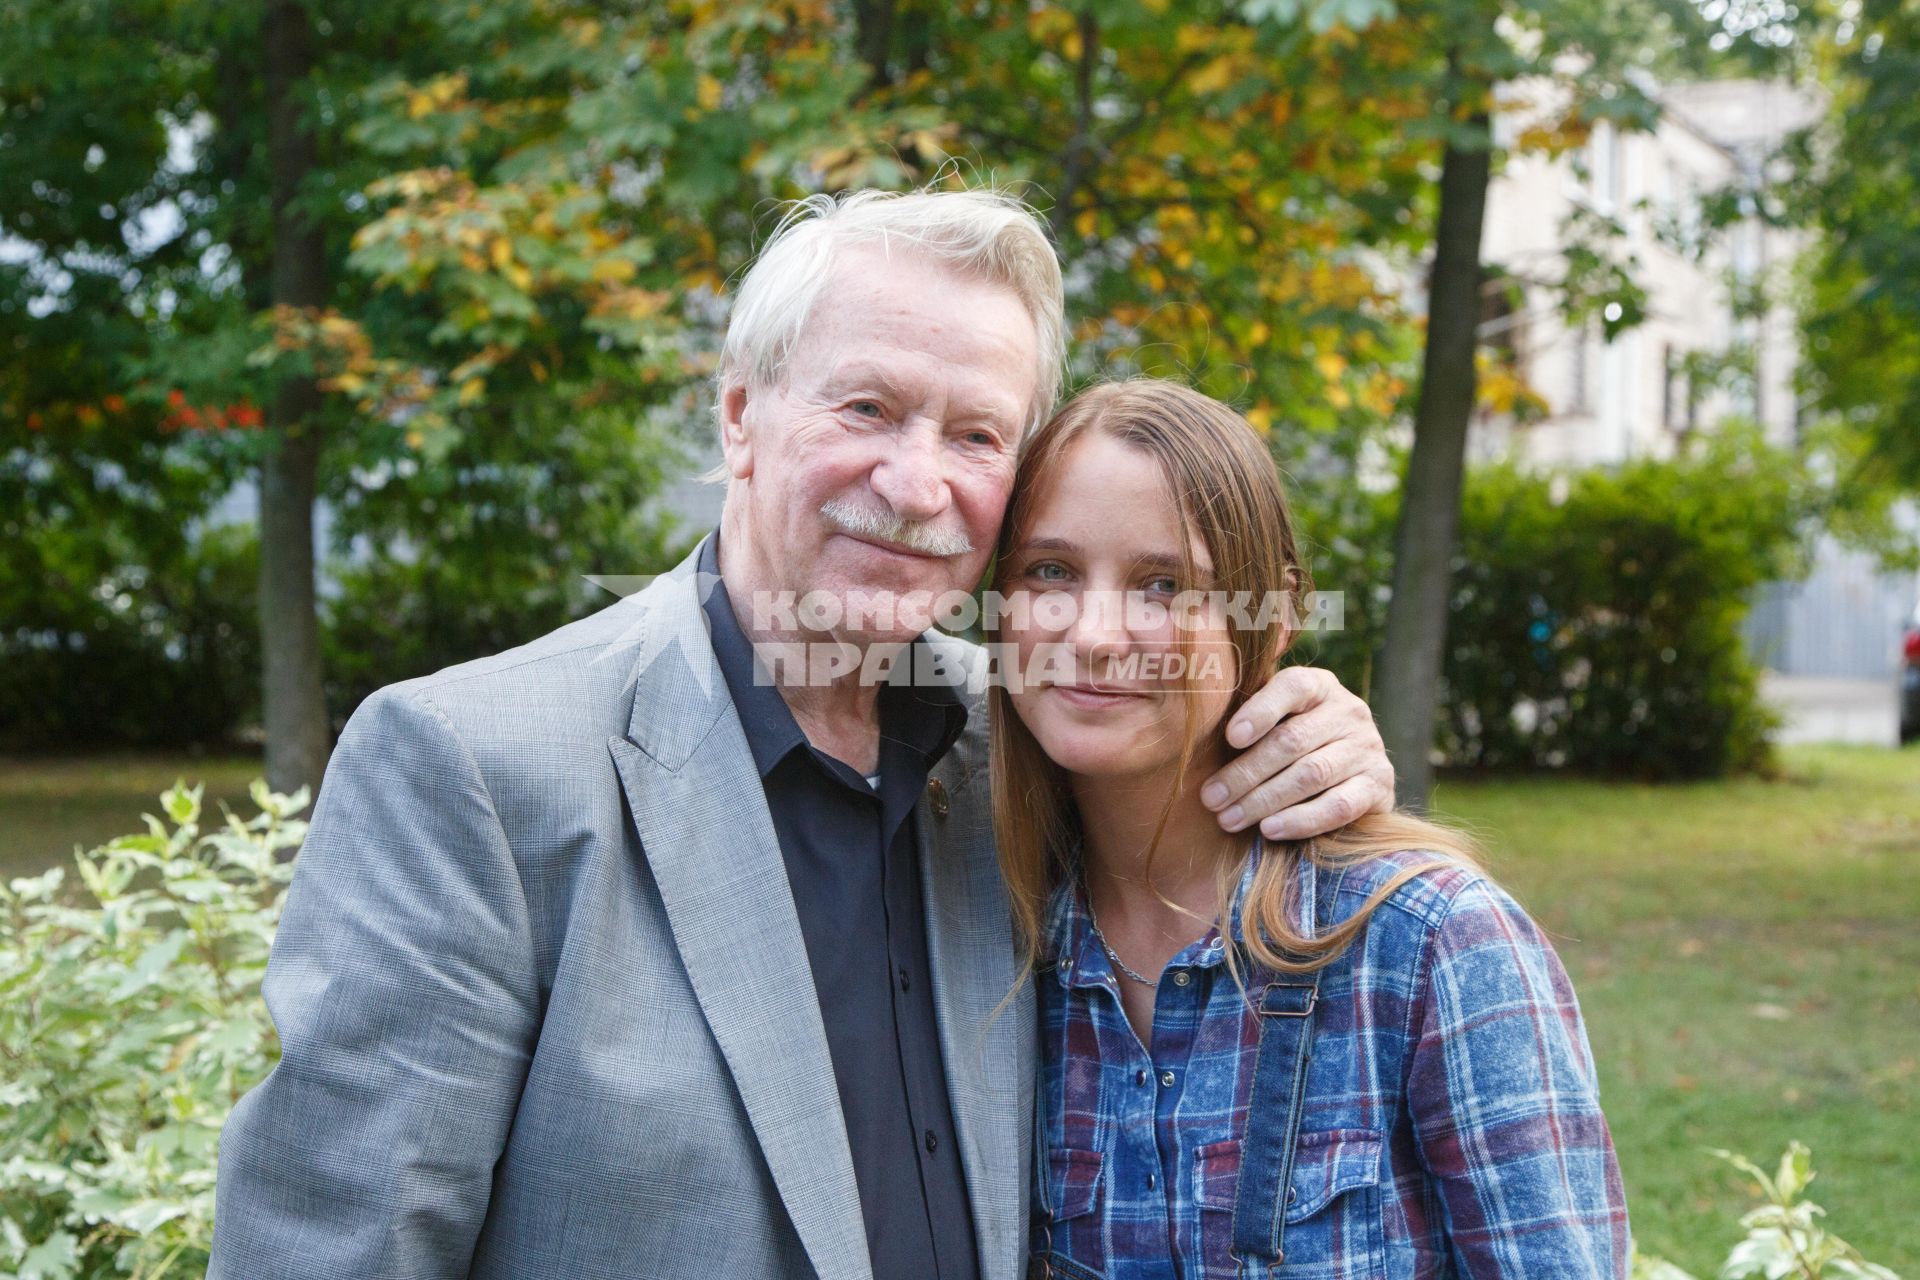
(1506,1104)
(403,986)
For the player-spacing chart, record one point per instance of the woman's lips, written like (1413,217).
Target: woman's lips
(1094,698)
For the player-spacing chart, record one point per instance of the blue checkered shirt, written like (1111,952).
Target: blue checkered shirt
(1451,1124)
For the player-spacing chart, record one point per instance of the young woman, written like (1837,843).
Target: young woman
(1354,1057)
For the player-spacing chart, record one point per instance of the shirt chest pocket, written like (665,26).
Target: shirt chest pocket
(1333,1209)
(1070,1241)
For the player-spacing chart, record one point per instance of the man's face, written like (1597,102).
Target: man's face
(880,469)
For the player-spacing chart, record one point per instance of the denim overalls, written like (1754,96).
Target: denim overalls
(1264,1189)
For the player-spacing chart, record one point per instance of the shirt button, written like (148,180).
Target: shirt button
(1139,1077)
(931,1141)
(937,797)
(1166,1078)
(904,983)
(1152,1182)
(1182,978)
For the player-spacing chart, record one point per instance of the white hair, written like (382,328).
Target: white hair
(984,233)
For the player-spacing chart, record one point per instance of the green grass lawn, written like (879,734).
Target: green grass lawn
(1748,958)
(1747,954)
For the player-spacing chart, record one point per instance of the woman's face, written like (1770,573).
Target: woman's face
(1097,618)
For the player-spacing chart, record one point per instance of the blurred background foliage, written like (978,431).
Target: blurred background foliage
(453,276)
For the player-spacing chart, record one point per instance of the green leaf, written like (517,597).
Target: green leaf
(1796,1171)
(182,805)
(40,888)
(152,964)
(55,1258)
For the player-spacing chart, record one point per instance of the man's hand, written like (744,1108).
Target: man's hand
(1315,765)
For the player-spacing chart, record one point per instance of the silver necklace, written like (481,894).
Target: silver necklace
(1113,955)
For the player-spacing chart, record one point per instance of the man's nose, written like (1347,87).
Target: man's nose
(911,477)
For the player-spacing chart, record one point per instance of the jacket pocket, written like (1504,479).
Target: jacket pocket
(1072,1237)
(1333,1210)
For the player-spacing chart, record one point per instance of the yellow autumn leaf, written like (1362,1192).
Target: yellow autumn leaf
(1086,221)
(1257,335)
(1260,417)
(1215,76)
(1192,39)
(1331,364)
(472,390)
(708,93)
(501,253)
(613,270)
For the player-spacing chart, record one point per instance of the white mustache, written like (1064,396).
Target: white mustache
(887,526)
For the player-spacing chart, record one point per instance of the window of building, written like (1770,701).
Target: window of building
(1580,360)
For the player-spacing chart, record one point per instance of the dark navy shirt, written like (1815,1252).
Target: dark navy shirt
(850,854)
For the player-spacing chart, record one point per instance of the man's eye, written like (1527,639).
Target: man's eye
(867,408)
(985,439)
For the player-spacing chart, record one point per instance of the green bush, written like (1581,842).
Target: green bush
(130,1023)
(1784,1239)
(487,544)
(1595,620)
(159,649)
(124,619)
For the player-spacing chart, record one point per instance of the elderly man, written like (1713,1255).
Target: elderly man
(608,958)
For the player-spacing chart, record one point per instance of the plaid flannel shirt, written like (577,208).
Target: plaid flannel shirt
(1451,1124)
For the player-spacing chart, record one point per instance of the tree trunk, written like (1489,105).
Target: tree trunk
(916,35)
(873,28)
(1416,639)
(298,736)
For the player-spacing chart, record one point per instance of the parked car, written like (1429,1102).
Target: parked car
(1910,679)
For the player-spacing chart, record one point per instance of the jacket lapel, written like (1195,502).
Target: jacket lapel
(988,1055)
(702,819)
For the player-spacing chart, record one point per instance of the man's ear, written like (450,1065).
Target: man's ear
(736,441)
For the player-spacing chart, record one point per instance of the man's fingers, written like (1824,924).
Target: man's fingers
(1316,771)
(1291,691)
(1282,746)
(1325,813)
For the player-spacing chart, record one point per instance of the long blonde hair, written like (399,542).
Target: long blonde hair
(1228,491)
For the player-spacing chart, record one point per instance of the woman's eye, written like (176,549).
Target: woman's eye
(1047,571)
(1164,586)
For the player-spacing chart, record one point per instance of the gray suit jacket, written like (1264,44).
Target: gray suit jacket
(543,1001)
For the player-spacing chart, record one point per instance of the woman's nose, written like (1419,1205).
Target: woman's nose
(1100,624)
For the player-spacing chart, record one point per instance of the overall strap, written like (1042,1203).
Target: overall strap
(1285,1008)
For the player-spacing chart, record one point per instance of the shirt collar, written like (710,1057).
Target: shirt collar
(927,718)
